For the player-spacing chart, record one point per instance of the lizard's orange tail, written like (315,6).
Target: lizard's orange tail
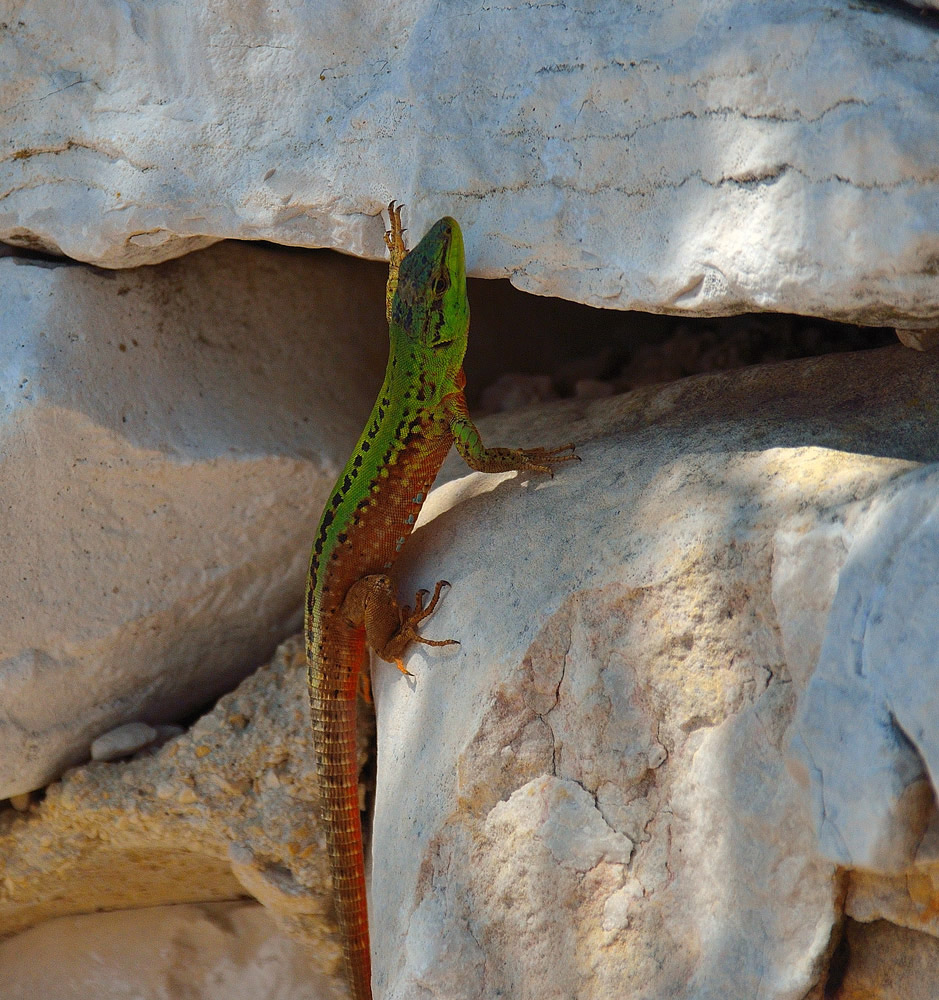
(334,738)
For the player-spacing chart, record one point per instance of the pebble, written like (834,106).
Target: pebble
(123,741)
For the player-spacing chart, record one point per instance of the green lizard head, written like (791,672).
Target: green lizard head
(430,312)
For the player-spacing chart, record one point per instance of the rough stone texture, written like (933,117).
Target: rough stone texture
(629,682)
(909,899)
(214,951)
(710,157)
(226,810)
(163,451)
(590,796)
(889,963)
(865,739)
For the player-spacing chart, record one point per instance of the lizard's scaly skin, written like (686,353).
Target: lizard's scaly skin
(350,604)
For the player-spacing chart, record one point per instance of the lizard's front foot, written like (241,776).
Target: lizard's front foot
(397,251)
(394,234)
(544,459)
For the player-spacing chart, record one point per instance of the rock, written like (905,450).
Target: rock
(590,796)
(865,739)
(889,963)
(214,951)
(196,821)
(919,339)
(630,674)
(703,158)
(124,741)
(907,899)
(164,450)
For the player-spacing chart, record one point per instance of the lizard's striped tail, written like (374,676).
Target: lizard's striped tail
(334,738)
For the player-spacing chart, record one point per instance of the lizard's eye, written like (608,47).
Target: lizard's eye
(442,343)
(441,284)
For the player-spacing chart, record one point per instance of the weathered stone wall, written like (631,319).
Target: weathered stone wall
(686,748)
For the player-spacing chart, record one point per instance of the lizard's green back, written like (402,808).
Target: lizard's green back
(419,413)
(370,512)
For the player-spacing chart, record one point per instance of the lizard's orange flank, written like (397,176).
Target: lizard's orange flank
(350,601)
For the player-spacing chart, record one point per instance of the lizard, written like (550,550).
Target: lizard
(351,603)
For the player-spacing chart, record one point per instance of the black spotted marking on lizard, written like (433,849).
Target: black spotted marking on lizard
(436,352)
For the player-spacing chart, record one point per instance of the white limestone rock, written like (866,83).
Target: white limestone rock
(706,158)
(866,739)
(164,449)
(590,795)
(124,741)
(229,808)
(622,675)
(213,951)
